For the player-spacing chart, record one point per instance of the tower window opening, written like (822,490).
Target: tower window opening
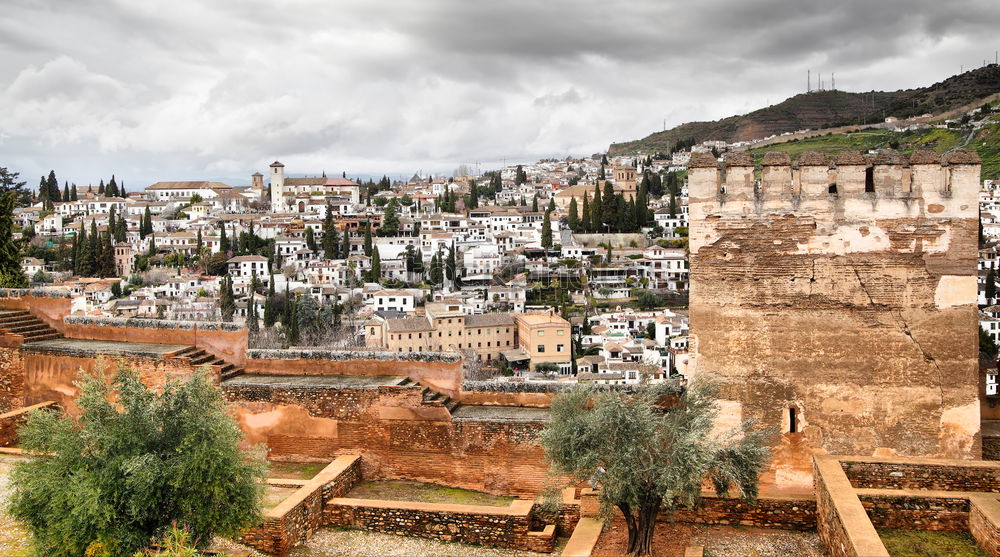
(791,421)
(870,180)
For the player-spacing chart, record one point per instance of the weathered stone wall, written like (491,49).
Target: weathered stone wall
(922,474)
(11,421)
(51,376)
(765,512)
(841,521)
(856,309)
(49,305)
(296,519)
(908,511)
(494,526)
(991,448)
(336,403)
(405,442)
(441,371)
(11,379)
(224,340)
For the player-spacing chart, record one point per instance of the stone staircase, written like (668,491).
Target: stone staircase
(198,357)
(28,325)
(430,396)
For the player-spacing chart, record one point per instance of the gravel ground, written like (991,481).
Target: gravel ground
(355,543)
(758,542)
(13,539)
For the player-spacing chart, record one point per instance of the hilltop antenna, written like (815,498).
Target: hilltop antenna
(808,81)
(833,81)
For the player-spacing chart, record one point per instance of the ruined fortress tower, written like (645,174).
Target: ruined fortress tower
(836,300)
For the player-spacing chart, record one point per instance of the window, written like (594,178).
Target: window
(791,420)
(541,333)
(870,180)
(560,347)
(541,348)
(559,333)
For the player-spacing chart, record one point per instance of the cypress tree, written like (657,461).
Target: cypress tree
(293,321)
(107,259)
(610,206)
(43,190)
(368,239)
(584,224)
(673,204)
(991,286)
(199,243)
(227,301)
(311,240)
(375,275)
(547,231)
(94,247)
(146,228)
(53,187)
(100,189)
(270,315)
(451,267)
(286,316)
(345,250)
(534,203)
(595,211)
(223,239)
(574,216)
(552,204)
(65,194)
(73,195)
(473,195)
(331,243)
(84,255)
(112,189)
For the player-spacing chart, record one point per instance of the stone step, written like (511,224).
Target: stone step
(50,336)
(27,328)
(15,321)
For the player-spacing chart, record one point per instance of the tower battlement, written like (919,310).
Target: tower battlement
(844,187)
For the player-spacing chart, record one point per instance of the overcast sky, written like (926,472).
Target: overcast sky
(216,89)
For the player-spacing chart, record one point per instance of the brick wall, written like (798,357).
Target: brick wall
(991,448)
(11,379)
(841,521)
(923,474)
(493,526)
(910,511)
(11,421)
(765,512)
(296,519)
(326,402)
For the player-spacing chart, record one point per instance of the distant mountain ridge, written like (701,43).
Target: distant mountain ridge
(825,109)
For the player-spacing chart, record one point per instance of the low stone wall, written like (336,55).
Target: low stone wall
(224,340)
(11,421)
(296,519)
(984,523)
(440,371)
(841,521)
(916,510)
(495,526)
(921,473)
(11,379)
(765,512)
(327,402)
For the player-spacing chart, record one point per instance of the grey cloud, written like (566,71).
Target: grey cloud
(218,88)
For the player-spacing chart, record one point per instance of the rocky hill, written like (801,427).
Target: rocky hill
(825,109)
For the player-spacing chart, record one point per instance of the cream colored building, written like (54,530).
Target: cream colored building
(444,328)
(546,338)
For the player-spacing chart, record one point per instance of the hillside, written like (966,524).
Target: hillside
(825,109)
(986,141)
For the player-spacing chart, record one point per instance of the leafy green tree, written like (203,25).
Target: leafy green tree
(134,462)
(648,457)
(987,347)
(10,181)
(519,176)
(11,273)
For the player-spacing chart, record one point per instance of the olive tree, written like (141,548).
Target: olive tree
(133,462)
(651,450)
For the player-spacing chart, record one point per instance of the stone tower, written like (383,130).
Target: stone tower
(836,300)
(257,181)
(278,187)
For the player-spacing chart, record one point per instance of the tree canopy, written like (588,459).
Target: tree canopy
(135,461)
(648,455)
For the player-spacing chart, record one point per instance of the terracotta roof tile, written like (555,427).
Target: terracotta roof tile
(849,158)
(702,160)
(814,158)
(777,158)
(738,159)
(963,156)
(925,156)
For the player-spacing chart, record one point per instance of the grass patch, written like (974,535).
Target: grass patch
(274,495)
(294,470)
(425,493)
(920,543)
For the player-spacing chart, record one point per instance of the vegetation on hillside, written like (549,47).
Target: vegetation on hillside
(986,141)
(826,109)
